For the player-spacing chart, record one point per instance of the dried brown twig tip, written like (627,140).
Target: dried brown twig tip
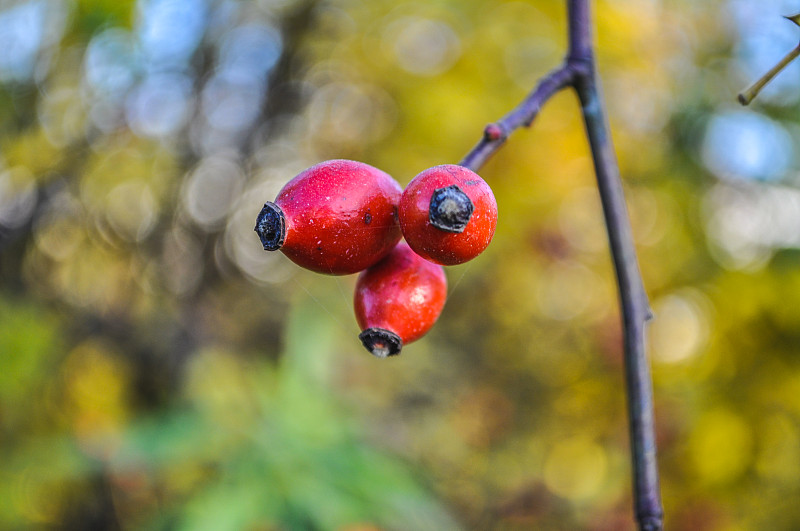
(794,18)
(750,93)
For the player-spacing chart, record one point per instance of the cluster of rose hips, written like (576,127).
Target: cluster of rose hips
(341,217)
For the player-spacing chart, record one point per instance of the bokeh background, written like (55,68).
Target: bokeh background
(159,370)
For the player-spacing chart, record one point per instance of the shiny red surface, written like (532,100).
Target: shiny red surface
(341,216)
(436,245)
(403,293)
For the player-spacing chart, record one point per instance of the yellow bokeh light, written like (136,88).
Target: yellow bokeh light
(720,446)
(576,468)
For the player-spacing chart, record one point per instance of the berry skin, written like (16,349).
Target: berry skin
(397,300)
(338,217)
(448,214)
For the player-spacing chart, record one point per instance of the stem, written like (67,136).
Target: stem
(579,27)
(752,91)
(579,72)
(633,299)
(635,308)
(496,133)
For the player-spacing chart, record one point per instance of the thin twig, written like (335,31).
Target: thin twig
(579,72)
(749,94)
(496,133)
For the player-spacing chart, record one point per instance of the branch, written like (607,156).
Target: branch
(579,72)
(496,133)
(634,305)
(749,94)
(752,91)
(633,299)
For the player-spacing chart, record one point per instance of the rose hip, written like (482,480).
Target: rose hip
(398,300)
(338,217)
(448,214)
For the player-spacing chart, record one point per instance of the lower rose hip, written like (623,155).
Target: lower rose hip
(448,214)
(398,300)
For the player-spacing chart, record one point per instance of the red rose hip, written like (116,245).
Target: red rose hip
(448,214)
(338,217)
(397,300)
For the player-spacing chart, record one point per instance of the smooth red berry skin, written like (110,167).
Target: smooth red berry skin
(403,294)
(338,217)
(444,245)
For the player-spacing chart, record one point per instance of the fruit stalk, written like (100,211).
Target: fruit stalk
(495,134)
(578,71)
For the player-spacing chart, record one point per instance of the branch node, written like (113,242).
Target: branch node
(580,65)
(494,132)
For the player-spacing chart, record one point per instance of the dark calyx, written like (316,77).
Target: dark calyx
(450,209)
(271,226)
(381,342)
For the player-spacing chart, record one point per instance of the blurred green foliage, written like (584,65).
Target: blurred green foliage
(158,370)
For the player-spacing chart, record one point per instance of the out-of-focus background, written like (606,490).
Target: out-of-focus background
(159,370)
